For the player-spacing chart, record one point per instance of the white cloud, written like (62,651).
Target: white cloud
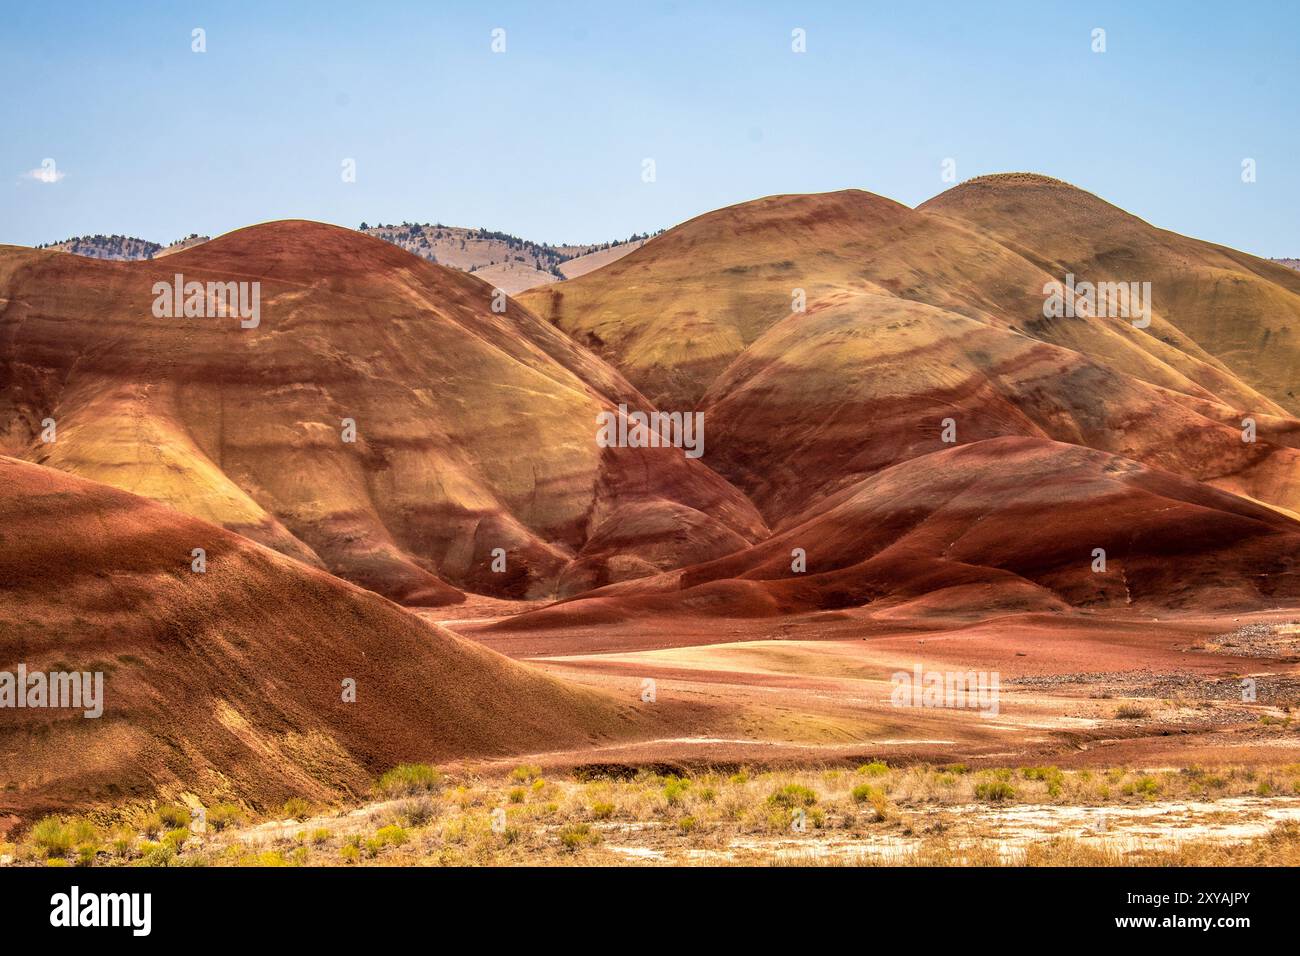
(46,172)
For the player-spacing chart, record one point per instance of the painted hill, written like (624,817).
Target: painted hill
(833,340)
(228,684)
(474,428)
(1240,310)
(994,526)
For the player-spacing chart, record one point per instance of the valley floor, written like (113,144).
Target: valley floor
(1116,739)
(870,815)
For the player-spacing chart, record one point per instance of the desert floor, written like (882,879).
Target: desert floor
(1118,739)
(1079,691)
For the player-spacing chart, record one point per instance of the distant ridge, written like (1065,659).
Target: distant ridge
(505,261)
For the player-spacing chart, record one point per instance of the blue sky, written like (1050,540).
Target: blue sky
(547,139)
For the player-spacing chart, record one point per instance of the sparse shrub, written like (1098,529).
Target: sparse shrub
(525,773)
(994,791)
(687,824)
(320,835)
(866,793)
(225,815)
(173,816)
(877,768)
(862,792)
(156,854)
(56,838)
(674,789)
(574,835)
(1052,776)
(123,843)
(409,779)
(602,811)
(391,835)
(296,808)
(792,795)
(1132,712)
(1145,786)
(52,836)
(416,811)
(350,853)
(517,795)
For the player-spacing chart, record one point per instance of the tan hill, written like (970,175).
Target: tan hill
(180,245)
(106,247)
(924,329)
(502,260)
(475,429)
(708,288)
(229,684)
(911,319)
(124,248)
(1241,310)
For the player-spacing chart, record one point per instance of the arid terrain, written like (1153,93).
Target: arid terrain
(637,654)
(507,262)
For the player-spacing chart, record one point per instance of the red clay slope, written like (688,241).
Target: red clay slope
(227,684)
(475,428)
(1002,524)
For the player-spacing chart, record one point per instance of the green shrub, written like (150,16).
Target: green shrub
(674,789)
(525,773)
(877,768)
(57,838)
(174,816)
(296,808)
(391,835)
(575,835)
(52,836)
(792,795)
(225,815)
(409,779)
(995,791)
(1142,786)
(863,793)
